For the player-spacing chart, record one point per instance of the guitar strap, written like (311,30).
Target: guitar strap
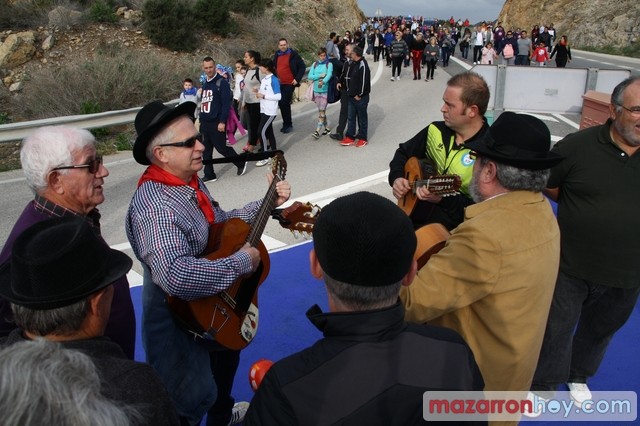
(243,157)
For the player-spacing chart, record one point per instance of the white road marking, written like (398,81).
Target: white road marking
(567,121)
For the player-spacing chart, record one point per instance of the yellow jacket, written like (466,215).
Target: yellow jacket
(493,283)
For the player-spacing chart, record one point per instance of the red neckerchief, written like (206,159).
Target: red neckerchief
(156,174)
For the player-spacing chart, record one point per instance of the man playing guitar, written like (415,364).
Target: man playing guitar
(440,143)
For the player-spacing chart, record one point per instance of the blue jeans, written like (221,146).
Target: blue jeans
(358,109)
(596,312)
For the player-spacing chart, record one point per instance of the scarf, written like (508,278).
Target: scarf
(190,92)
(286,52)
(156,174)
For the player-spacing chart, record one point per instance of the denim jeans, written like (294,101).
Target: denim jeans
(358,109)
(285,104)
(595,312)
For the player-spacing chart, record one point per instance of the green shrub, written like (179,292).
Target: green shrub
(123,142)
(249,7)
(4,118)
(124,80)
(102,11)
(169,23)
(213,15)
(24,14)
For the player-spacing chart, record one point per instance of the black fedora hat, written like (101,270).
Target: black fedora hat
(58,262)
(150,120)
(518,140)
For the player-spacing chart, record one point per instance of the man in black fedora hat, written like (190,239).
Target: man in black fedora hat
(494,279)
(59,282)
(168,224)
(370,367)
(67,177)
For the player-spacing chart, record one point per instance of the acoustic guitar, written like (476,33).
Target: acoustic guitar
(230,318)
(298,217)
(443,185)
(431,239)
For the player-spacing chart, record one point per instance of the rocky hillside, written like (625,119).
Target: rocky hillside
(66,40)
(594,23)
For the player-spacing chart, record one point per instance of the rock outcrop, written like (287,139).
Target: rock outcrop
(587,23)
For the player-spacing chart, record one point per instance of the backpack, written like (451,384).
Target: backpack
(507,51)
(333,94)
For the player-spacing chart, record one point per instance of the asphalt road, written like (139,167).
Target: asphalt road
(318,170)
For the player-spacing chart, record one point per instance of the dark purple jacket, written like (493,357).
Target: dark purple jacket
(121,327)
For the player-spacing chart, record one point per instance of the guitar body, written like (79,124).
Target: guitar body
(431,239)
(415,171)
(412,173)
(230,317)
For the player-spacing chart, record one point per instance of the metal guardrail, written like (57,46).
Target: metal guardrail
(18,131)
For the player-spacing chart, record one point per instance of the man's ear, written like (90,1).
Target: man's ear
(314,265)
(408,279)
(54,182)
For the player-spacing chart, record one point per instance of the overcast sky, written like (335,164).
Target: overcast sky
(475,10)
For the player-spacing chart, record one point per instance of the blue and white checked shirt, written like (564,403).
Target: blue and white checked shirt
(168,231)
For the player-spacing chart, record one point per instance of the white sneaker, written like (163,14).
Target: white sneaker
(537,402)
(393,78)
(238,412)
(264,162)
(397,78)
(579,393)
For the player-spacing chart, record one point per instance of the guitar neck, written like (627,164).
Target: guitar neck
(264,213)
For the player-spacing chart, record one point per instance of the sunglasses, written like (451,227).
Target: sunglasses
(93,166)
(189,143)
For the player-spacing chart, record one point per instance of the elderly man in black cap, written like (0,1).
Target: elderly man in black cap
(494,279)
(168,224)
(371,367)
(60,285)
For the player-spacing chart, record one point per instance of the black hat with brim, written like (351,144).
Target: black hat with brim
(518,140)
(58,262)
(150,119)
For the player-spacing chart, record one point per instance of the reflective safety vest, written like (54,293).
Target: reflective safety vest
(448,157)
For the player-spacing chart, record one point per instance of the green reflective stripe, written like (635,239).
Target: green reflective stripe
(458,162)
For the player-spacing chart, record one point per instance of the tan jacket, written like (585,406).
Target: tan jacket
(493,283)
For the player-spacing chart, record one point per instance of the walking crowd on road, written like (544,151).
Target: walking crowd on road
(516,297)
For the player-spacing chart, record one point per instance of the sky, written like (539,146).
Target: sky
(475,10)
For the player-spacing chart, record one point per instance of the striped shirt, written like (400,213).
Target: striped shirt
(168,231)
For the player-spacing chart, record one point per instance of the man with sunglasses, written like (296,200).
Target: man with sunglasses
(168,225)
(66,174)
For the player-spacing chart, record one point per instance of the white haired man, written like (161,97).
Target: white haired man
(66,174)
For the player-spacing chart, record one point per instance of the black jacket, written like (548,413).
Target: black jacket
(358,80)
(371,368)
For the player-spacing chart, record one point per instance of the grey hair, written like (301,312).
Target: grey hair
(514,178)
(59,321)
(41,382)
(618,92)
(165,135)
(360,298)
(50,147)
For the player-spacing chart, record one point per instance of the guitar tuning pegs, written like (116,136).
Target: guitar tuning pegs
(296,234)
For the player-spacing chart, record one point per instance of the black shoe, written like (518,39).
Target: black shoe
(242,169)
(336,136)
(287,129)
(210,178)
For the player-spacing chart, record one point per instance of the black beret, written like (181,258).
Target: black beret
(364,239)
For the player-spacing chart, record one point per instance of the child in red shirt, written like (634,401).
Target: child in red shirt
(540,55)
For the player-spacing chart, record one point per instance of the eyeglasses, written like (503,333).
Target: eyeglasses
(189,143)
(635,111)
(93,166)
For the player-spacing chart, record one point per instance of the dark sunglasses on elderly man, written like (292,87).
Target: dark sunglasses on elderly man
(189,143)
(93,166)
